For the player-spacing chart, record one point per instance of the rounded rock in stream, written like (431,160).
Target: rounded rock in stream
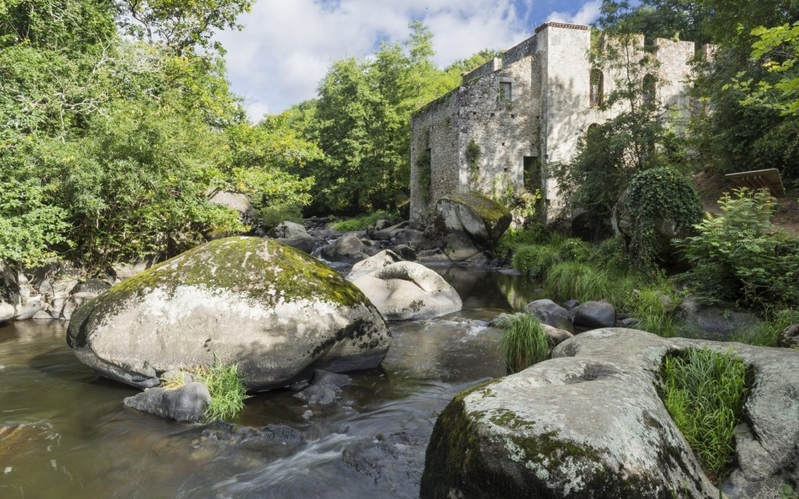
(275,311)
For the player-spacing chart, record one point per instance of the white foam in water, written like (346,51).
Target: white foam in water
(288,469)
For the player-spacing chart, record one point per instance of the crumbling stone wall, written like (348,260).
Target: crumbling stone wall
(528,108)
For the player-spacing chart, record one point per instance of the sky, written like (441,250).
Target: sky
(287,46)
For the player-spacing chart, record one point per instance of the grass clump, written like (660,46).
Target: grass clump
(362,222)
(654,307)
(524,341)
(704,392)
(767,333)
(534,260)
(584,281)
(226,388)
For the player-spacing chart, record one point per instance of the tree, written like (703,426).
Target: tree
(181,25)
(361,122)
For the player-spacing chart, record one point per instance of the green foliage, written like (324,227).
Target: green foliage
(516,238)
(704,392)
(111,146)
(361,122)
(535,260)
(654,308)
(523,342)
(654,196)
(226,388)
(364,221)
(777,49)
(735,258)
(586,281)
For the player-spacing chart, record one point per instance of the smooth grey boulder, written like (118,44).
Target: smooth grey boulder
(548,312)
(409,237)
(186,404)
(294,235)
(789,337)
(7,312)
(347,249)
(373,263)
(715,323)
(590,423)
(408,290)
(594,314)
(405,252)
(275,311)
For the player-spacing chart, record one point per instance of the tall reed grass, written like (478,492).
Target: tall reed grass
(524,342)
(704,392)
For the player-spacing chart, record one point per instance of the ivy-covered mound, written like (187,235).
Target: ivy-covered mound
(275,311)
(590,423)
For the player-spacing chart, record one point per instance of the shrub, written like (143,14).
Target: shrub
(271,216)
(512,239)
(735,259)
(226,388)
(577,250)
(523,343)
(704,392)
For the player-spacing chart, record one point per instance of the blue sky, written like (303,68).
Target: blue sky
(287,46)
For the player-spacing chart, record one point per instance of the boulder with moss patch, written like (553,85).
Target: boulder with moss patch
(469,222)
(274,310)
(590,423)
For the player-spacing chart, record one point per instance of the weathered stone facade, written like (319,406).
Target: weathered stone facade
(516,115)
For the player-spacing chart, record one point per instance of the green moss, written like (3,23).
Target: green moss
(484,206)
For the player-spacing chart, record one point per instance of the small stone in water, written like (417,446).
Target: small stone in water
(307,414)
(7,470)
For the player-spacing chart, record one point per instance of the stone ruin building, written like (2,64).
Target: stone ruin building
(516,115)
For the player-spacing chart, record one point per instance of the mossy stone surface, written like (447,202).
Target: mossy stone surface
(276,311)
(482,218)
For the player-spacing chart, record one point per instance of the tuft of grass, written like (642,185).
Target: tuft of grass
(362,222)
(226,388)
(583,281)
(523,343)
(704,392)
(768,332)
(654,306)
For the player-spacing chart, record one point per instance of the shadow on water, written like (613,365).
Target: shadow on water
(64,432)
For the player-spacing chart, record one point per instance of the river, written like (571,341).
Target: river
(65,434)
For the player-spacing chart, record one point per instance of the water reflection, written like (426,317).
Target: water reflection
(65,434)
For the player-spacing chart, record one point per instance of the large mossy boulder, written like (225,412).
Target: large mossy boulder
(590,423)
(469,222)
(275,311)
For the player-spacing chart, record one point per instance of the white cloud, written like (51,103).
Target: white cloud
(587,14)
(287,46)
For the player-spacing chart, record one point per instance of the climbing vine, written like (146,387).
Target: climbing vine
(657,195)
(423,169)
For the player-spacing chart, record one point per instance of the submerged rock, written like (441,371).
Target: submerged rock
(275,311)
(186,403)
(590,423)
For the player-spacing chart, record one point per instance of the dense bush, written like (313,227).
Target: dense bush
(736,258)
(704,392)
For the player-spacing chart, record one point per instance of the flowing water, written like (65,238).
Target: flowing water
(65,434)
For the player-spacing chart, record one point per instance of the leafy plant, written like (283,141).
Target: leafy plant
(524,341)
(704,392)
(735,258)
(585,281)
(535,260)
